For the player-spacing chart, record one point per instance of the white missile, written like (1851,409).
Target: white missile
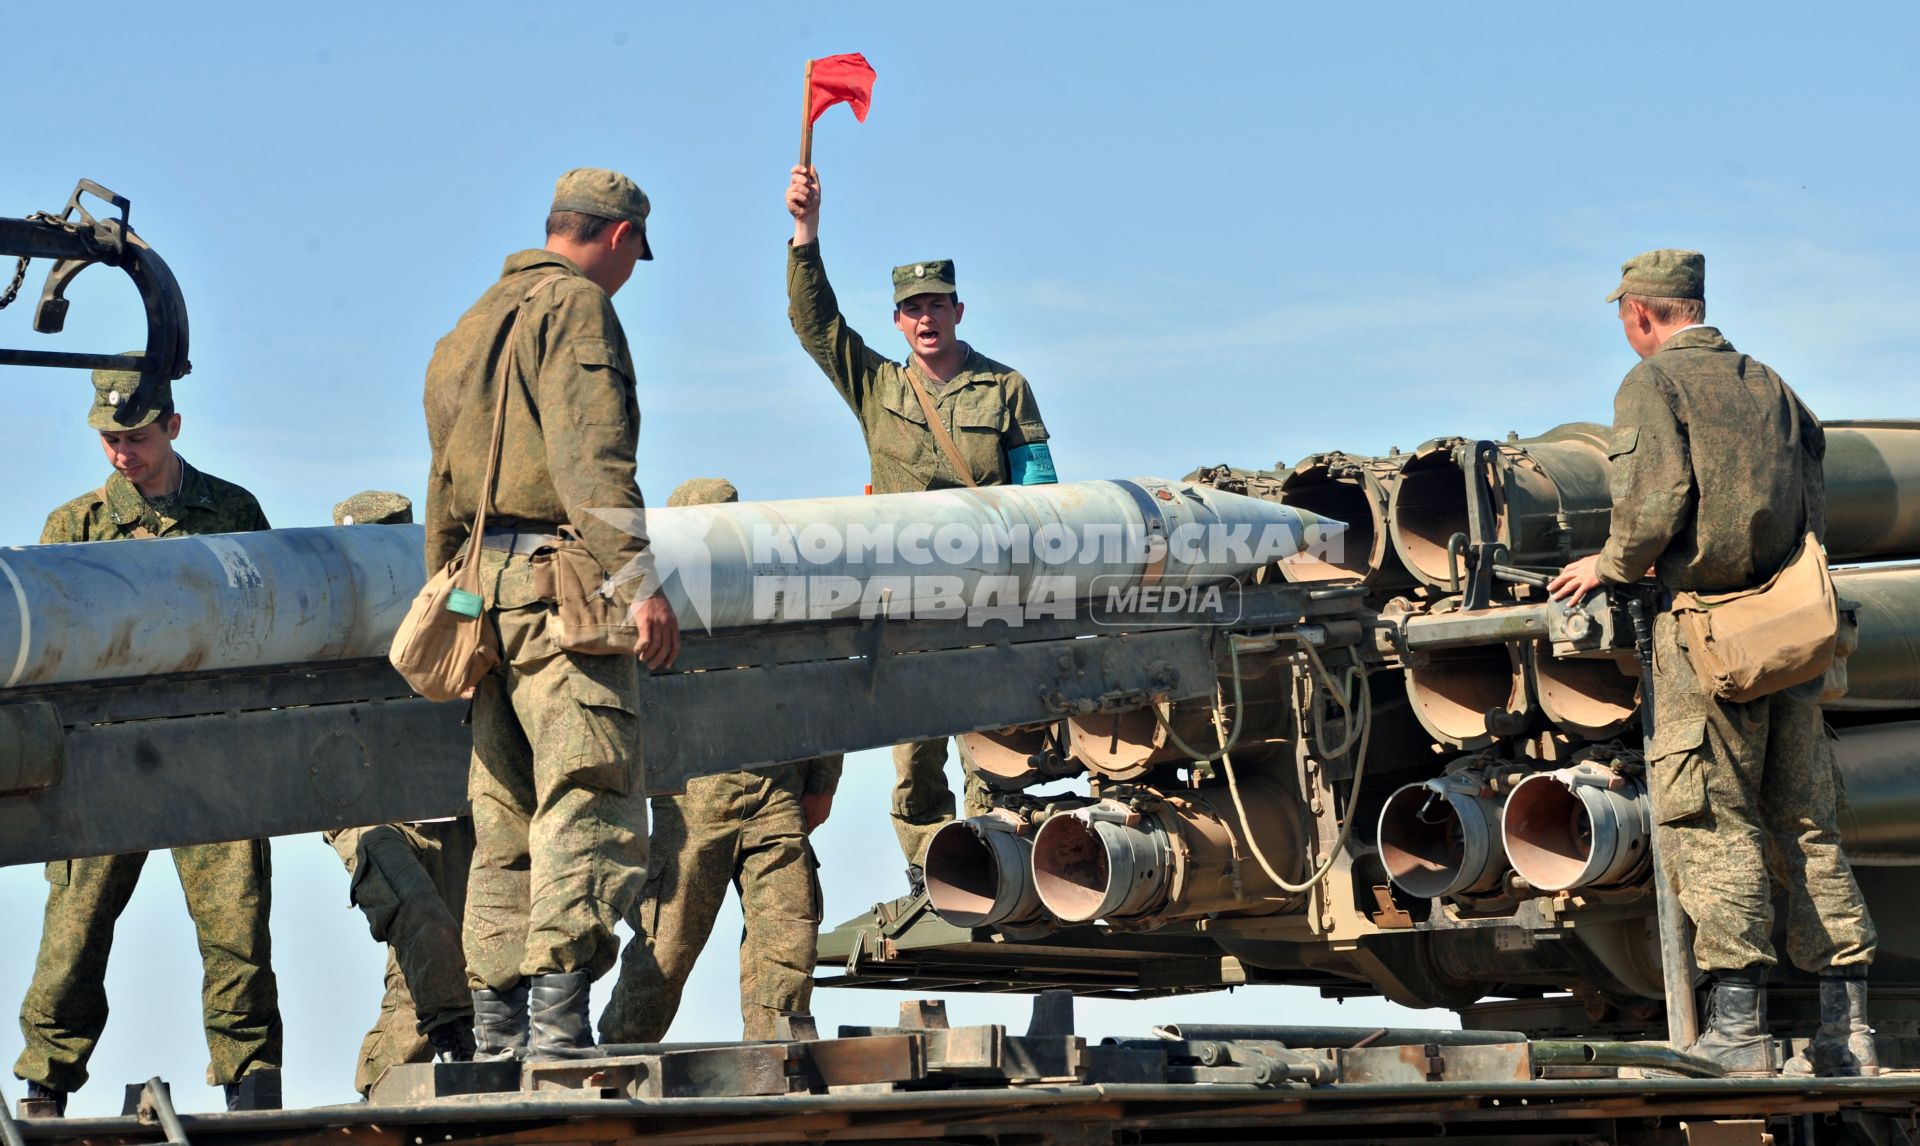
(98,611)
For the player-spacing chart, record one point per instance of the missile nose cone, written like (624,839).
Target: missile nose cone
(1241,533)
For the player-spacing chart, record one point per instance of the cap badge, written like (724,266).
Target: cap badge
(920,271)
(113,397)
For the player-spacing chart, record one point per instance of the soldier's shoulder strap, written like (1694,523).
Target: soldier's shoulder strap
(939,429)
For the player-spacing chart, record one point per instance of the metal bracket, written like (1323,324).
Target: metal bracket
(78,243)
(1478,462)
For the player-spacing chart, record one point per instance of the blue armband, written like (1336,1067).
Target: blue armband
(1031,464)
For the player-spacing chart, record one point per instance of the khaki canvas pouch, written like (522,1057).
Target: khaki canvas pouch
(588,615)
(1756,642)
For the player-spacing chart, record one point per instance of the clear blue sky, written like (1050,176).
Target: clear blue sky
(1211,233)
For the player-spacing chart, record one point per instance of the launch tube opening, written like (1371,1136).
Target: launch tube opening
(1123,745)
(1436,841)
(978,876)
(1562,833)
(1009,755)
(1453,691)
(1593,697)
(1336,557)
(1070,869)
(1084,869)
(1429,506)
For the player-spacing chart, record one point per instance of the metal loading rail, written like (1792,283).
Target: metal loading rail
(926,1081)
(1581,1112)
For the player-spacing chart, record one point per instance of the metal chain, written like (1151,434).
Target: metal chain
(20,269)
(13,288)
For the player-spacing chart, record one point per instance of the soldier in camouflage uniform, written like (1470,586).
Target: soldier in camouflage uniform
(560,821)
(1716,477)
(153,492)
(989,412)
(748,828)
(410,880)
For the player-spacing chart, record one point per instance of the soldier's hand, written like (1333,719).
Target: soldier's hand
(815,807)
(658,642)
(803,203)
(1576,580)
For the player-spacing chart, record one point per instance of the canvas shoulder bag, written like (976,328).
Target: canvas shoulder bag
(1754,642)
(445,644)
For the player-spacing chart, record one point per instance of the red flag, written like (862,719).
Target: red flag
(844,79)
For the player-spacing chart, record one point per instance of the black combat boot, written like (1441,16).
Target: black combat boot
(43,1101)
(557,1015)
(257,1090)
(500,1023)
(1736,1036)
(1843,1046)
(452,1042)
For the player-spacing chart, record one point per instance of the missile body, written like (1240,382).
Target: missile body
(945,551)
(100,611)
(92,611)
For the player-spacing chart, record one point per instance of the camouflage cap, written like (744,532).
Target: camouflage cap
(113,389)
(607,195)
(1666,273)
(374,507)
(934,277)
(702,491)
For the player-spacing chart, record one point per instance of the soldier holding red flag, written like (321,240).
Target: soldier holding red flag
(946,417)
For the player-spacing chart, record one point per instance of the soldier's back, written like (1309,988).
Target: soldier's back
(1755,452)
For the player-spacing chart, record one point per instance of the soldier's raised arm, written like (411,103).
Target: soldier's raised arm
(814,310)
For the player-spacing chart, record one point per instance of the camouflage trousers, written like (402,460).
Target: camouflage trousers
(559,812)
(229,894)
(922,801)
(743,828)
(1741,791)
(410,880)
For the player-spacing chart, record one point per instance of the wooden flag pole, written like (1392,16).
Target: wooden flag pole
(806,119)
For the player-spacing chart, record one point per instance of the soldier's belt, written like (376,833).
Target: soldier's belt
(519,541)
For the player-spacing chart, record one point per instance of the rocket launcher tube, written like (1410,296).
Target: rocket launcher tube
(1554,502)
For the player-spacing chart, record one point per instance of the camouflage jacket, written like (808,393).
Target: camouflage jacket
(1716,469)
(573,422)
(987,407)
(116,511)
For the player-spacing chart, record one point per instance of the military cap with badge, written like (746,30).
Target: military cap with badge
(111,410)
(374,507)
(932,277)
